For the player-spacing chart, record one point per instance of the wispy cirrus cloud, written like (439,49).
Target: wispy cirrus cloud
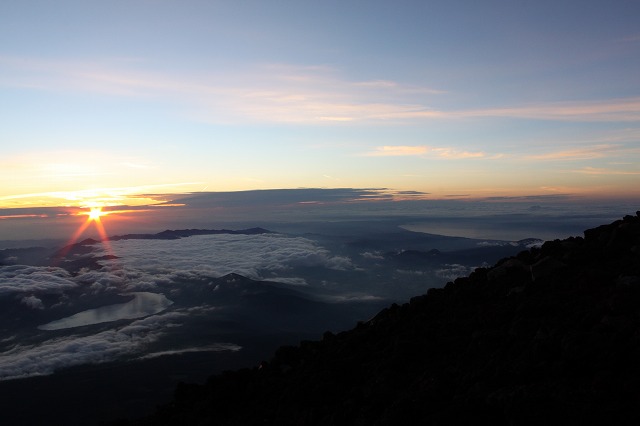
(285,94)
(603,171)
(451,153)
(423,151)
(397,151)
(264,93)
(583,153)
(609,110)
(620,150)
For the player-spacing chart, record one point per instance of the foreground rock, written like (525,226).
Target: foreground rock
(549,336)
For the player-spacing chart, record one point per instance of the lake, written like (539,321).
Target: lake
(142,305)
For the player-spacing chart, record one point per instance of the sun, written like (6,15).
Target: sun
(95,213)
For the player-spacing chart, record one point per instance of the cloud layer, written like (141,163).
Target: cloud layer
(51,355)
(146,263)
(33,279)
(141,264)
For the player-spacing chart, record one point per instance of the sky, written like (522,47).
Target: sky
(101,102)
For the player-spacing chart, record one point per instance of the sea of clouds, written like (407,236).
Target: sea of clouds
(24,279)
(260,257)
(164,267)
(76,349)
(142,265)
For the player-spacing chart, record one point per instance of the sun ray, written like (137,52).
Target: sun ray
(104,238)
(94,216)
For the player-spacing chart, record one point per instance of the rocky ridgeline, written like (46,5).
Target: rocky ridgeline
(551,335)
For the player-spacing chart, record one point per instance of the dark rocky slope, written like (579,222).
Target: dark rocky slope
(551,335)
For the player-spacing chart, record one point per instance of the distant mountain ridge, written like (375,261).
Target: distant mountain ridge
(183,233)
(550,336)
(170,234)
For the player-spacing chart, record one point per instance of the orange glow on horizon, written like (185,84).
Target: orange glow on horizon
(23,216)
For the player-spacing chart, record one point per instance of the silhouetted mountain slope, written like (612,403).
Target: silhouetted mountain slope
(551,335)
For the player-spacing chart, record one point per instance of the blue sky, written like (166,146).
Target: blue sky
(100,101)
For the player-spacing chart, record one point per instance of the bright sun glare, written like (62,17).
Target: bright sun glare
(95,213)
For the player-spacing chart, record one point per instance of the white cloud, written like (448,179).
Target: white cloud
(609,110)
(33,279)
(51,355)
(376,255)
(397,151)
(264,93)
(199,310)
(101,280)
(33,302)
(216,347)
(291,281)
(286,93)
(452,271)
(452,153)
(602,171)
(339,263)
(424,151)
(582,153)
(146,263)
